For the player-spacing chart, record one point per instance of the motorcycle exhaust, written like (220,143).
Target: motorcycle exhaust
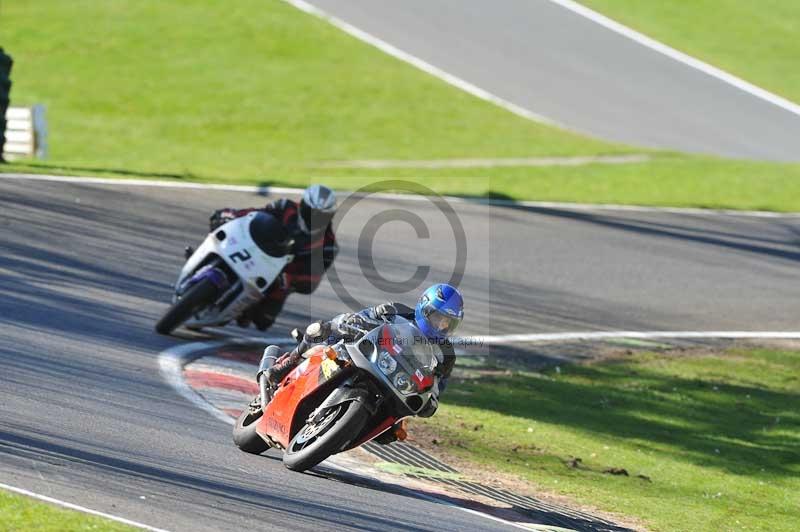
(262,386)
(269,357)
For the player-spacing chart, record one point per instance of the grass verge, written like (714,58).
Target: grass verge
(18,513)
(662,182)
(707,441)
(258,92)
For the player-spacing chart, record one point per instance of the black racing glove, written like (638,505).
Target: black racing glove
(386,310)
(392,309)
(355,325)
(258,314)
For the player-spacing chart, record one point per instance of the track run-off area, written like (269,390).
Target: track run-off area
(86,269)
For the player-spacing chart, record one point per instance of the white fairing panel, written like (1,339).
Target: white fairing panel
(244,258)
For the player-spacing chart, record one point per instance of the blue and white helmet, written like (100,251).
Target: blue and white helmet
(439,311)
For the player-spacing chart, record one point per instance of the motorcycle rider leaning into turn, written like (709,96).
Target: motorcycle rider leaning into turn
(437,314)
(309,224)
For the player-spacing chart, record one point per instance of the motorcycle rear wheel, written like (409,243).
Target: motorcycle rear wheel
(314,443)
(198,296)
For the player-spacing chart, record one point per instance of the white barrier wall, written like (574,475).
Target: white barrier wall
(26,133)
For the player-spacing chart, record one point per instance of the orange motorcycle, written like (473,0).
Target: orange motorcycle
(342,395)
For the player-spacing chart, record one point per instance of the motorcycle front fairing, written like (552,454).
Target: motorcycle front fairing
(342,367)
(395,353)
(413,355)
(253,269)
(304,388)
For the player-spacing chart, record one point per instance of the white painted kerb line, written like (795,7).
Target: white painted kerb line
(171,364)
(576,8)
(681,57)
(172,360)
(639,335)
(78,508)
(152,183)
(268,190)
(420,64)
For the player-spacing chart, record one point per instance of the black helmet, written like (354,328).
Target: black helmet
(316,208)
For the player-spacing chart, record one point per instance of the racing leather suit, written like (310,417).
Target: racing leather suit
(347,326)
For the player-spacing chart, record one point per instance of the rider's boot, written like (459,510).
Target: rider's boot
(396,433)
(262,321)
(271,355)
(282,367)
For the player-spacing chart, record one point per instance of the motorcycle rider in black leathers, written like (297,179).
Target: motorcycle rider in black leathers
(309,225)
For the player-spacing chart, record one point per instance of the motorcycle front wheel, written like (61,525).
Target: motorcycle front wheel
(244,430)
(315,442)
(198,296)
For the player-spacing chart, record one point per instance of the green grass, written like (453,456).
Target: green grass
(241,90)
(21,514)
(256,91)
(757,41)
(717,436)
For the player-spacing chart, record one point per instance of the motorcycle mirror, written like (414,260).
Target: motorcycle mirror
(297,335)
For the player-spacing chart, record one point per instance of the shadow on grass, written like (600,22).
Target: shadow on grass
(707,422)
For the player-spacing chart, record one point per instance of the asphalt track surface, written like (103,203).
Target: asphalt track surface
(553,62)
(85,271)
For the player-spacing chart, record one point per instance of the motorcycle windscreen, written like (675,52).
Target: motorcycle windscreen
(405,356)
(269,234)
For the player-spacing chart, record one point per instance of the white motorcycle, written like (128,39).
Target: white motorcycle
(234,267)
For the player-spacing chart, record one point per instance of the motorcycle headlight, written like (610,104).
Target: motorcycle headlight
(387,364)
(403,383)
